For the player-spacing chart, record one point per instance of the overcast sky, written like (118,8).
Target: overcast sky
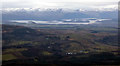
(72,4)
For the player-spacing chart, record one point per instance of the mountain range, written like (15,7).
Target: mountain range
(55,14)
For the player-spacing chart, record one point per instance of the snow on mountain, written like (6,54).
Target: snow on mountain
(55,14)
(112,8)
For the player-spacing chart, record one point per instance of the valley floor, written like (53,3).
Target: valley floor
(78,45)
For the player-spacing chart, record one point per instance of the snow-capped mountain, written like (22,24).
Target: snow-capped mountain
(55,14)
(54,9)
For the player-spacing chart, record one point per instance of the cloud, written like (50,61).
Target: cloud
(60,0)
(73,4)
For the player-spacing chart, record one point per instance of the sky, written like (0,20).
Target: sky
(71,4)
